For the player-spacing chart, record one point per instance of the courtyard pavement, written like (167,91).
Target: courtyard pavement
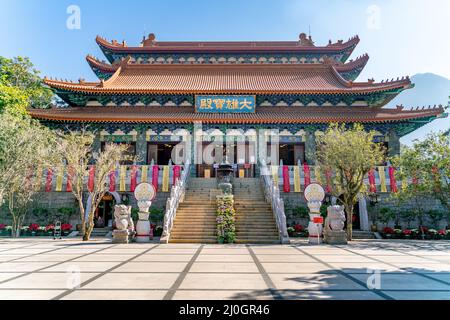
(69,269)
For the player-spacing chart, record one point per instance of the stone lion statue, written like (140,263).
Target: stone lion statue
(335,218)
(122,216)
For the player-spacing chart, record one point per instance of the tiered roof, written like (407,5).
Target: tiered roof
(294,82)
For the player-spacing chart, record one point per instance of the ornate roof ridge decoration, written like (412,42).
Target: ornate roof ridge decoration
(152,45)
(359,62)
(228,79)
(263,115)
(101,64)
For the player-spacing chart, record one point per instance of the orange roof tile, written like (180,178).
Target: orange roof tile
(228,79)
(262,115)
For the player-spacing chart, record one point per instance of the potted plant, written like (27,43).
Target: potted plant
(49,229)
(65,229)
(388,232)
(435,216)
(407,234)
(298,229)
(398,234)
(407,216)
(442,234)
(33,229)
(2,229)
(158,231)
(431,234)
(291,231)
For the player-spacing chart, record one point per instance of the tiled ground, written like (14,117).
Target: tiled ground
(68,269)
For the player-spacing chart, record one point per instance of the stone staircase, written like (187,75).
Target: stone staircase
(195,221)
(255,222)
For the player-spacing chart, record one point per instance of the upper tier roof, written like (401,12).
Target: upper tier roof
(105,70)
(228,79)
(302,45)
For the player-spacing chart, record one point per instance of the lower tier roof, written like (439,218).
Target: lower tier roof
(262,115)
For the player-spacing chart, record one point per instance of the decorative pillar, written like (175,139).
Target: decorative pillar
(393,144)
(310,147)
(141,147)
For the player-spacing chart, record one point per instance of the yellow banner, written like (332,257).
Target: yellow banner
(38,179)
(144,174)
(122,177)
(241,173)
(317,175)
(275,175)
(207,173)
(297,184)
(382,174)
(165,181)
(59,179)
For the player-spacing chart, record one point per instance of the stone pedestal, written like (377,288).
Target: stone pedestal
(335,237)
(143,228)
(120,236)
(315,233)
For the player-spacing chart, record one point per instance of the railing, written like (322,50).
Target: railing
(176,197)
(272,195)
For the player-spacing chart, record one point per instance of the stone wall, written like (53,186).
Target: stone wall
(56,200)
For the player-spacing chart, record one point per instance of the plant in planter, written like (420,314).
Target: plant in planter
(291,231)
(431,234)
(442,234)
(398,234)
(66,228)
(388,232)
(226,230)
(49,229)
(3,229)
(300,212)
(24,231)
(407,234)
(158,230)
(33,229)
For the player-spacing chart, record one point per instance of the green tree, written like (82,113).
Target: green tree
(76,150)
(427,165)
(351,153)
(24,146)
(21,86)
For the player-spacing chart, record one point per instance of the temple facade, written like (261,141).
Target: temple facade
(209,102)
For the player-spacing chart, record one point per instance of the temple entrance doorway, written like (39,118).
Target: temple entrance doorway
(104,215)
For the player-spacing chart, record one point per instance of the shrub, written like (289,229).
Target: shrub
(33,227)
(300,212)
(386,215)
(226,230)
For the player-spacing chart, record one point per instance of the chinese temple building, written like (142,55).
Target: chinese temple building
(160,94)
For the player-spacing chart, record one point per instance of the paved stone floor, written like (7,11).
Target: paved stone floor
(69,269)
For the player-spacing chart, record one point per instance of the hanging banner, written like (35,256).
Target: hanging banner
(307,172)
(392,179)
(241,173)
(112,181)
(318,175)
(91,179)
(297,184)
(382,173)
(176,174)
(144,174)
(275,175)
(48,180)
(38,179)
(69,183)
(133,178)
(329,176)
(165,181)
(123,179)
(59,179)
(286,182)
(155,176)
(207,173)
(372,184)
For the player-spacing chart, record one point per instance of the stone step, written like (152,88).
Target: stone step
(201,241)
(356,234)
(257,241)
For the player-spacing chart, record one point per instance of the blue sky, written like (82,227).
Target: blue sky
(402,37)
